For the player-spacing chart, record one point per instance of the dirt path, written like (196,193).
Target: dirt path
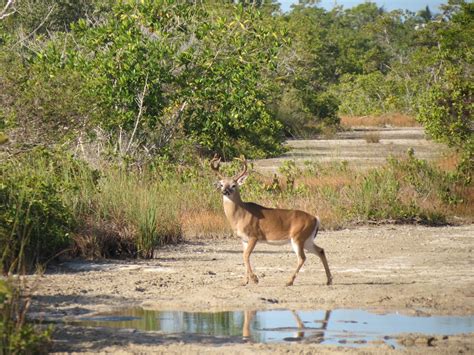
(409,269)
(352,147)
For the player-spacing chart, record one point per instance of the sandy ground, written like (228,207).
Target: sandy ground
(414,270)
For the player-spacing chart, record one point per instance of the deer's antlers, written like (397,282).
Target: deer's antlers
(243,161)
(216,162)
(215,165)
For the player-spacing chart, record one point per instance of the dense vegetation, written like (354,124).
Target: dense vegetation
(109,109)
(101,97)
(138,92)
(140,79)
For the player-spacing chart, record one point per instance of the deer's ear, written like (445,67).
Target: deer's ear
(242,179)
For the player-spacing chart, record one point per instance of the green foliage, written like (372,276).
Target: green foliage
(149,79)
(407,189)
(142,78)
(303,103)
(60,113)
(230,87)
(447,109)
(16,335)
(35,219)
(372,93)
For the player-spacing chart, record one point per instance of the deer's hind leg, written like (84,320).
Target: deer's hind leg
(298,248)
(313,248)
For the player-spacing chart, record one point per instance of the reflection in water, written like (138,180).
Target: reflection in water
(260,334)
(350,327)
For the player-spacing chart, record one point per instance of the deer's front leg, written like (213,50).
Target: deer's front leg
(248,248)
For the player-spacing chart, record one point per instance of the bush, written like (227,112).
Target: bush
(306,116)
(372,93)
(446,112)
(17,336)
(407,190)
(35,220)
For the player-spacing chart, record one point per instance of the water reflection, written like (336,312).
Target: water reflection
(343,326)
(265,329)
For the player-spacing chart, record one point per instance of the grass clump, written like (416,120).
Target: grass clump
(372,137)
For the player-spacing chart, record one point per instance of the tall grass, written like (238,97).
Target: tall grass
(143,211)
(18,237)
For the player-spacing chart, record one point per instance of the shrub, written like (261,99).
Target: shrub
(16,335)
(35,220)
(372,137)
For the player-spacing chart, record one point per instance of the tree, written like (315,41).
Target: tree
(306,68)
(447,108)
(154,71)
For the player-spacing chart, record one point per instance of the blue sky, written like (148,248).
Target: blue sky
(412,5)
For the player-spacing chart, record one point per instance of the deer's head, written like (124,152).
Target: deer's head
(229,186)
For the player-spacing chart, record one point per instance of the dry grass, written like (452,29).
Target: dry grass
(392,119)
(331,181)
(204,224)
(466,208)
(448,162)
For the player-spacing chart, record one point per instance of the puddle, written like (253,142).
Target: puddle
(339,327)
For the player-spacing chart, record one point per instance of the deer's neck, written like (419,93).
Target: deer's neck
(234,208)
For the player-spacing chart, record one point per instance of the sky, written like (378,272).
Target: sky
(412,5)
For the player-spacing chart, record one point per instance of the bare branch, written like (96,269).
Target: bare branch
(38,27)
(8,9)
(169,129)
(140,100)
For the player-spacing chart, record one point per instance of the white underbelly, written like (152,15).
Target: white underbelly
(277,242)
(245,239)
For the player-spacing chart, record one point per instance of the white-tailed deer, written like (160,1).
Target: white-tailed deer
(254,223)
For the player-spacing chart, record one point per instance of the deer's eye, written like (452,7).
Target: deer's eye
(233,186)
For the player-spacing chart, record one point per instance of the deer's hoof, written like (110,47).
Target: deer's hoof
(254,279)
(329,282)
(289,283)
(245,282)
